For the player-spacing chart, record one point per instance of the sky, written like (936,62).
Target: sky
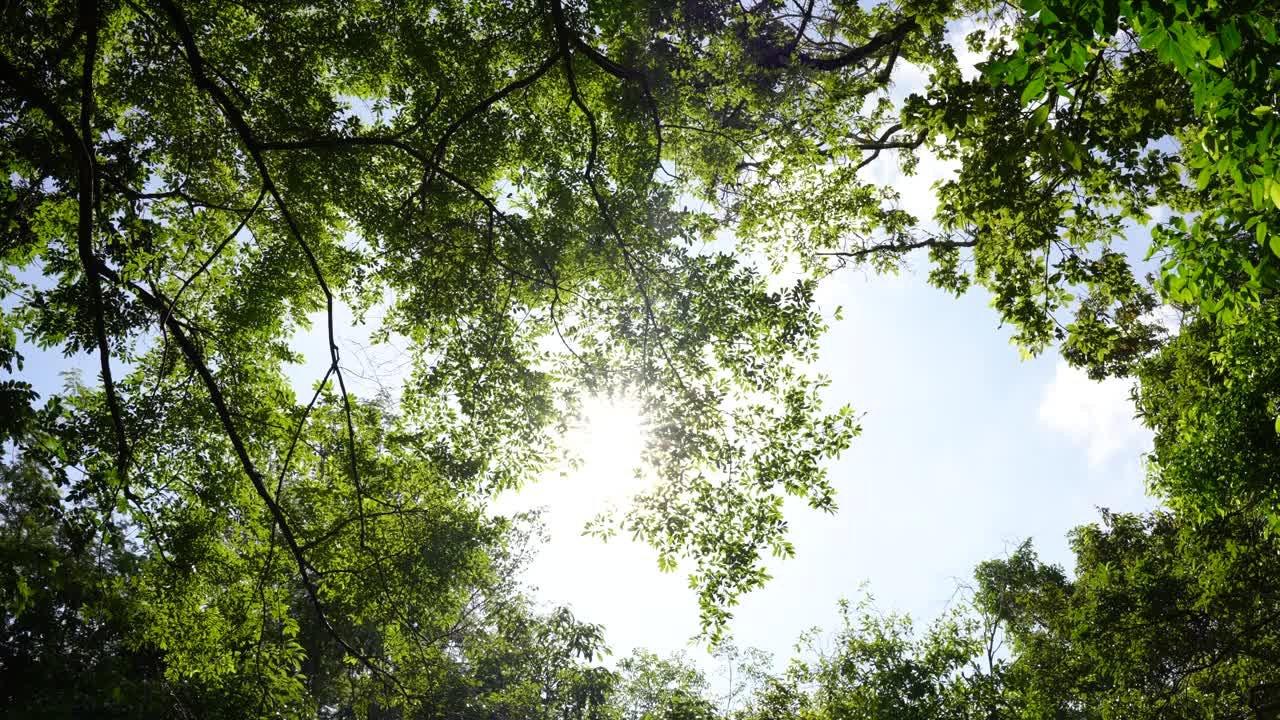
(966,451)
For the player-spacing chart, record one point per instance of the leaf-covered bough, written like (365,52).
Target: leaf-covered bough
(529,191)
(533,195)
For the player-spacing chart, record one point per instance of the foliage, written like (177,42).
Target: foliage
(1223,58)
(1162,620)
(186,187)
(1081,123)
(63,649)
(878,666)
(92,627)
(1212,395)
(651,687)
(533,196)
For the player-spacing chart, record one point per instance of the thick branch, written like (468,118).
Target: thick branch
(565,39)
(622,72)
(890,37)
(900,247)
(88,200)
(438,151)
(81,144)
(884,143)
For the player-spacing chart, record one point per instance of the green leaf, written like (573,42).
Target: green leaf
(1153,38)
(1041,115)
(1034,88)
(1072,153)
(1202,181)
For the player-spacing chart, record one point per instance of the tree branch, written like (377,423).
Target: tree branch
(235,116)
(890,37)
(355,141)
(623,73)
(883,143)
(900,247)
(248,138)
(162,306)
(80,143)
(438,151)
(88,197)
(564,37)
(217,251)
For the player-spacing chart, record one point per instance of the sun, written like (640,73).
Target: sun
(616,583)
(609,442)
(606,447)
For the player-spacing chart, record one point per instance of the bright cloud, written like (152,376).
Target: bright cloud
(1096,415)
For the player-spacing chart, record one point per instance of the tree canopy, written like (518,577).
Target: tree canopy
(549,200)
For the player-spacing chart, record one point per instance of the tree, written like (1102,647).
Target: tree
(877,666)
(92,626)
(185,186)
(1082,122)
(64,620)
(1162,620)
(651,687)
(1223,60)
(1212,396)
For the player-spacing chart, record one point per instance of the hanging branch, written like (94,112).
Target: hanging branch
(162,306)
(248,138)
(564,37)
(81,145)
(625,74)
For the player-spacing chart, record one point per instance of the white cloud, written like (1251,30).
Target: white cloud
(1096,415)
(966,58)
